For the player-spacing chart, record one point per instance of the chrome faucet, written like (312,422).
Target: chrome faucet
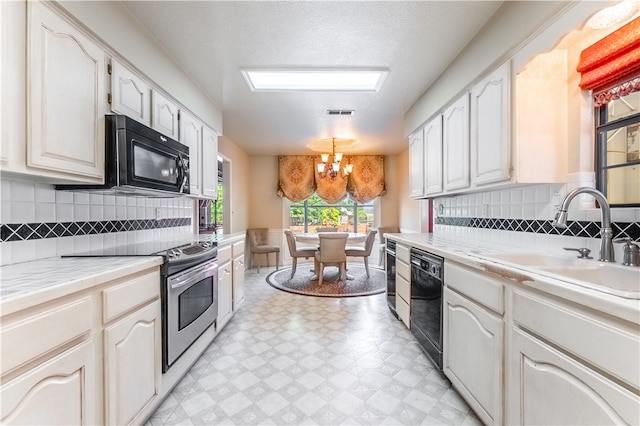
(606,233)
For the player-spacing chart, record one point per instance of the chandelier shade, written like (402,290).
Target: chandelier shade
(331,164)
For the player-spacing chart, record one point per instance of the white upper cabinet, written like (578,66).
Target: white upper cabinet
(191,136)
(433,156)
(130,94)
(416,165)
(66,100)
(165,115)
(209,163)
(490,128)
(455,125)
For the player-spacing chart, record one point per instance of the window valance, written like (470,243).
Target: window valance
(298,179)
(613,60)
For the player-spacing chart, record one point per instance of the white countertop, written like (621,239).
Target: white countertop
(478,254)
(26,284)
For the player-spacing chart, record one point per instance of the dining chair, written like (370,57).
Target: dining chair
(258,244)
(382,246)
(327,229)
(331,252)
(363,251)
(296,252)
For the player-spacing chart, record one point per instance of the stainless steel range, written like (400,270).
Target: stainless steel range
(188,288)
(189,296)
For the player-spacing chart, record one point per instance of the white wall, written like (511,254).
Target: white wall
(240,183)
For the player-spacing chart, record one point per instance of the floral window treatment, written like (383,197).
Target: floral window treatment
(298,179)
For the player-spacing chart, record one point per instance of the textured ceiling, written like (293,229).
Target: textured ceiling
(213,40)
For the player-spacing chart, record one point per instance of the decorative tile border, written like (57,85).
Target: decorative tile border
(35,231)
(573,229)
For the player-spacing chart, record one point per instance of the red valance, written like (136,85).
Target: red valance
(612,60)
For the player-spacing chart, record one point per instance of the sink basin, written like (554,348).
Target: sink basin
(536,259)
(623,281)
(613,279)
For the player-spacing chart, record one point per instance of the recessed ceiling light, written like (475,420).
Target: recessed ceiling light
(361,80)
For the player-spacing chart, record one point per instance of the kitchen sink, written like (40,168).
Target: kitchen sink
(613,279)
(537,259)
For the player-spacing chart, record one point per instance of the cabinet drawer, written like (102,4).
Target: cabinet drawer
(44,331)
(403,288)
(402,253)
(402,309)
(479,287)
(237,249)
(224,254)
(403,270)
(601,342)
(123,297)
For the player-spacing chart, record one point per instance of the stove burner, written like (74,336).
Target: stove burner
(188,251)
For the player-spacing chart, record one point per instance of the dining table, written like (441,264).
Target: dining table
(314,239)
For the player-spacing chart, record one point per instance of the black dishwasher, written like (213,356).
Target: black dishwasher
(427,283)
(391,276)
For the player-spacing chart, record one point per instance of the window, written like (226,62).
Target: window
(211,212)
(618,150)
(347,215)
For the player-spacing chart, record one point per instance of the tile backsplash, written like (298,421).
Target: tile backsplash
(37,221)
(522,216)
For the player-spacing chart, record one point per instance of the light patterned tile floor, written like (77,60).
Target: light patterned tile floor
(286,359)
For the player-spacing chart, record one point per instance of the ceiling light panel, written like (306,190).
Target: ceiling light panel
(369,80)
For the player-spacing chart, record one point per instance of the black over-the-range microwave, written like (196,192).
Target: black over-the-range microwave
(140,161)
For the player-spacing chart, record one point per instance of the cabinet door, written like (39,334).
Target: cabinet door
(238,282)
(490,125)
(473,347)
(191,135)
(130,94)
(164,115)
(225,295)
(66,97)
(433,156)
(61,391)
(132,356)
(416,164)
(549,387)
(209,163)
(456,144)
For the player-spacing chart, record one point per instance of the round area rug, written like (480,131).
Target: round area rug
(332,286)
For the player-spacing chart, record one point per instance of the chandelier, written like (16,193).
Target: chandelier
(331,163)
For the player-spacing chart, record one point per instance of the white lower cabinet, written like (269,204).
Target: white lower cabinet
(225,295)
(403,284)
(94,357)
(60,391)
(473,358)
(548,387)
(238,281)
(520,356)
(132,356)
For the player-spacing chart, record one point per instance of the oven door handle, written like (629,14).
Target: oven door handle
(193,275)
